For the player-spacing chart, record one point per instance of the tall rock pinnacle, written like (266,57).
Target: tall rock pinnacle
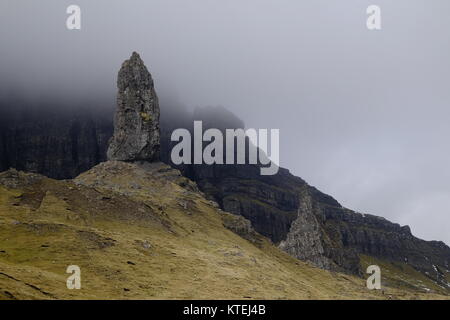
(136,123)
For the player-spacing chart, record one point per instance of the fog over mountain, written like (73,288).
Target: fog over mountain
(363,115)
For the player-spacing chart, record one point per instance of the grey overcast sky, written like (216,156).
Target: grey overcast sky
(363,115)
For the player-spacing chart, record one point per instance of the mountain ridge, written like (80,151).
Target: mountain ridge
(297,218)
(143,231)
(267,201)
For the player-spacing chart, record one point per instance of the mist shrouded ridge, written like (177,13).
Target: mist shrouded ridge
(63,140)
(356,138)
(363,115)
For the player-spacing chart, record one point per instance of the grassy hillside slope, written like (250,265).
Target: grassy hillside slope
(142,231)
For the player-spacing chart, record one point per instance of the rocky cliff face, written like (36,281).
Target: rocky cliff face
(55,143)
(301,220)
(314,227)
(283,208)
(141,230)
(136,125)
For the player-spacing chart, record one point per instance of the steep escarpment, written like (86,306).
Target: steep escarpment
(314,227)
(57,143)
(304,222)
(283,208)
(296,217)
(377,237)
(143,231)
(311,225)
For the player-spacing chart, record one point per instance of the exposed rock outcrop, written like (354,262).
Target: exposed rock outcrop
(305,239)
(136,125)
(122,222)
(313,226)
(301,220)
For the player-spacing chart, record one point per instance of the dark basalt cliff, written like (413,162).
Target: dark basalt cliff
(301,220)
(57,144)
(312,226)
